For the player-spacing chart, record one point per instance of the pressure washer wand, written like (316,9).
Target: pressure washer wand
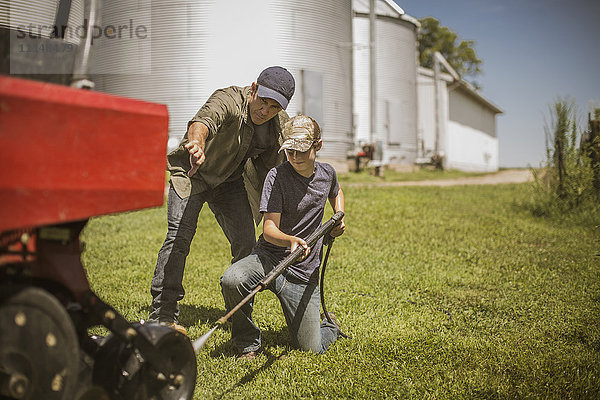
(278,270)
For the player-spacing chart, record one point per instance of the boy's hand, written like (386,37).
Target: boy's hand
(295,242)
(339,229)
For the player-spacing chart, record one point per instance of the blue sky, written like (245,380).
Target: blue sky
(533,52)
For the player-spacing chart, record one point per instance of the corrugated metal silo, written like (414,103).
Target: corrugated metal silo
(37,17)
(198,46)
(395,80)
(41,40)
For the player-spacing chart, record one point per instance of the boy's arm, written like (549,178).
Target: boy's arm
(337,203)
(273,235)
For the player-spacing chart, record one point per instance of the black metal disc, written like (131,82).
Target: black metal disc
(39,350)
(123,372)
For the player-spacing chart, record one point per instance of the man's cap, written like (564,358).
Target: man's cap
(276,83)
(300,133)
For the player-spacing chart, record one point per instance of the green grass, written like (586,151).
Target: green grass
(448,293)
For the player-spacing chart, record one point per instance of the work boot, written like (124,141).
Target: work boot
(177,327)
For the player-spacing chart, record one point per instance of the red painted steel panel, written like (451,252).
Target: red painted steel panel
(69,154)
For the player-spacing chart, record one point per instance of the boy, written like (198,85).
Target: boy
(293,204)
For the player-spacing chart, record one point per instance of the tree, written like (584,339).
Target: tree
(459,53)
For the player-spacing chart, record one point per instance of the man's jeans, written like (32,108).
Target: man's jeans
(229,204)
(299,301)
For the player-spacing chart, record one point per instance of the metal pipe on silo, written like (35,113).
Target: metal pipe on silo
(372,72)
(438,62)
(62,18)
(81,67)
(436,91)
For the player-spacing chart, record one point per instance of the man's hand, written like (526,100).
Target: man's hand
(197,156)
(197,134)
(295,242)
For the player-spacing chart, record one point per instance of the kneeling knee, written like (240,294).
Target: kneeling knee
(229,280)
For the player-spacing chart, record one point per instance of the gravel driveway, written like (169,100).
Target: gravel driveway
(504,176)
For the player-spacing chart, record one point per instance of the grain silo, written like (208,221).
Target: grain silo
(197,46)
(394,129)
(40,17)
(41,38)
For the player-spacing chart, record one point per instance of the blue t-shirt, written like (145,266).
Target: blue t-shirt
(301,202)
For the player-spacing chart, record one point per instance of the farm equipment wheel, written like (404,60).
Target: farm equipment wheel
(39,350)
(121,369)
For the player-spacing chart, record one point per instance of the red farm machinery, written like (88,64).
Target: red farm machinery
(68,154)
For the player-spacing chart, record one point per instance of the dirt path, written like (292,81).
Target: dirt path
(505,176)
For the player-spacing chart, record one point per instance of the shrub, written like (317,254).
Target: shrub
(565,185)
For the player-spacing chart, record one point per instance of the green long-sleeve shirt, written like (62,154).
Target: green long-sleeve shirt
(231,130)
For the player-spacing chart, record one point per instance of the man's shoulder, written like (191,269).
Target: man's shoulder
(231,102)
(233,93)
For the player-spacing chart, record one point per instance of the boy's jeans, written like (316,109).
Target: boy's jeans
(229,204)
(299,301)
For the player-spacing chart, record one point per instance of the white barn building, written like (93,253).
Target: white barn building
(459,126)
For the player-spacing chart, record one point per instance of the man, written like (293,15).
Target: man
(293,201)
(230,145)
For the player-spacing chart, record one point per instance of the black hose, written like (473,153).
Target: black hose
(327,241)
